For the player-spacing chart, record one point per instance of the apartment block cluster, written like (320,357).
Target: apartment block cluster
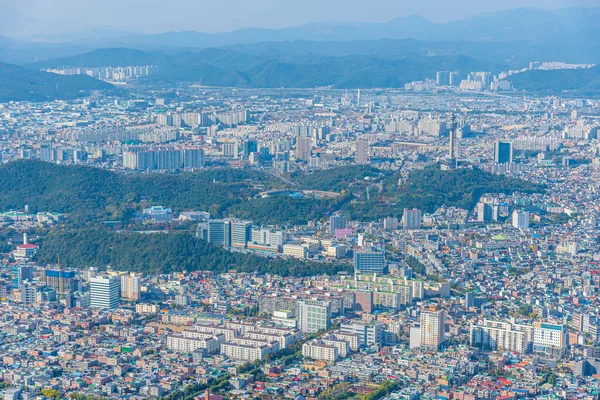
(111,74)
(236,340)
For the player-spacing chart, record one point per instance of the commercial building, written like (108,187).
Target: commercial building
(549,338)
(20,274)
(337,222)
(313,315)
(369,262)
(503,152)
(370,334)
(105,292)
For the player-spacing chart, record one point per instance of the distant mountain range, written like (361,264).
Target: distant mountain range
(20,84)
(520,35)
(523,24)
(340,54)
(225,67)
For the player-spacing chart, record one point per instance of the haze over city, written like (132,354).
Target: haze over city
(25,18)
(316,200)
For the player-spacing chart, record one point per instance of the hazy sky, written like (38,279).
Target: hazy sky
(30,17)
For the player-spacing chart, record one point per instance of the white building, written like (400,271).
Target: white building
(320,351)
(105,292)
(494,335)
(520,219)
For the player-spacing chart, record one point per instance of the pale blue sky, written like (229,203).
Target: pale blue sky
(29,17)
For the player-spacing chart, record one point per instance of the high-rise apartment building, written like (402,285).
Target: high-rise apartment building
(337,222)
(484,212)
(303,148)
(131,286)
(411,219)
(361,153)
(231,150)
(432,328)
(520,219)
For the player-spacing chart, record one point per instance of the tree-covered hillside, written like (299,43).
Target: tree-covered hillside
(91,194)
(163,253)
(19,84)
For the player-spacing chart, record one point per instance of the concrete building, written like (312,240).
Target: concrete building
(131,286)
(105,292)
(369,262)
(432,328)
(412,219)
(313,315)
(520,219)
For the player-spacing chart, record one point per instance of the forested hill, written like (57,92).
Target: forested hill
(164,253)
(91,194)
(19,84)
(430,188)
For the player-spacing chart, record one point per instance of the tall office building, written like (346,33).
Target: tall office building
(216,231)
(432,328)
(503,152)
(520,219)
(62,281)
(411,219)
(313,315)
(131,286)
(336,222)
(20,274)
(369,262)
(361,154)
(249,147)
(303,148)
(241,233)
(105,292)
